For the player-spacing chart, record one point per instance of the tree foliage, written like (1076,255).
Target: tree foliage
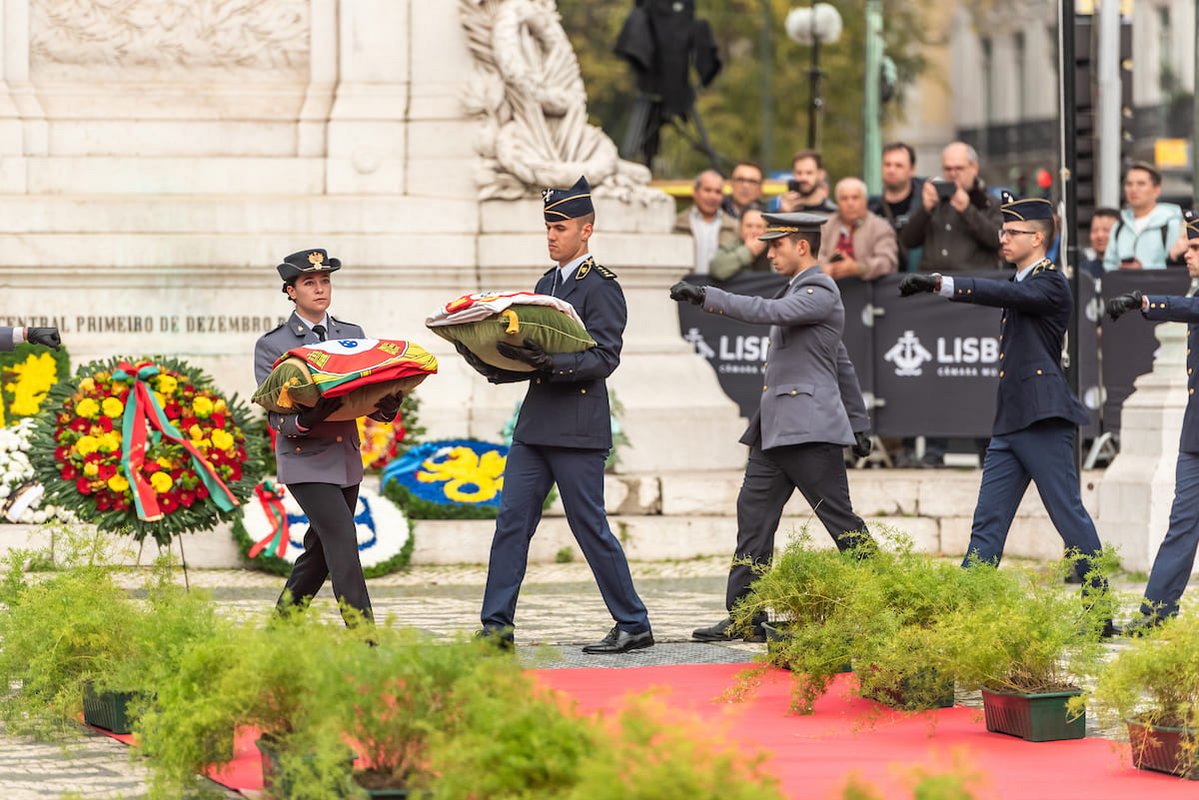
(732,106)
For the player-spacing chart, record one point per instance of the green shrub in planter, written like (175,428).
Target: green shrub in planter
(512,741)
(248,676)
(391,700)
(60,635)
(805,592)
(1022,632)
(1154,682)
(900,594)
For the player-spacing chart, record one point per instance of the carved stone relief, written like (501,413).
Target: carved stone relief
(528,94)
(172,36)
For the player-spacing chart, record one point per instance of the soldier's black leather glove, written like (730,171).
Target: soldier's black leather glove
(388,406)
(47,336)
(688,292)
(311,417)
(1122,303)
(863,445)
(477,364)
(530,353)
(916,283)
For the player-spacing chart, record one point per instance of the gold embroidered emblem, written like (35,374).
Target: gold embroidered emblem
(583,270)
(315,258)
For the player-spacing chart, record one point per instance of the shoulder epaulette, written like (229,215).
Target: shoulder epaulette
(604,272)
(1044,266)
(341,321)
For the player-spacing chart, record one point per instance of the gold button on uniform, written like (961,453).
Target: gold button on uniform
(1039,372)
(1001,373)
(339,438)
(582,391)
(793,393)
(538,380)
(297,449)
(763,388)
(1192,391)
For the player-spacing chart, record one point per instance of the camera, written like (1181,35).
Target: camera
(945,189)
(793,186)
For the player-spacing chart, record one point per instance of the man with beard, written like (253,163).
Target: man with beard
(807,191)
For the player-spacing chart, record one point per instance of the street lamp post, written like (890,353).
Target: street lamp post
(818,24)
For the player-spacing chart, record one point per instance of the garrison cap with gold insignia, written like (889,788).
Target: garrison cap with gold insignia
(572,203)
(1022,210)
(306,262)
(780,225)
(1191,220)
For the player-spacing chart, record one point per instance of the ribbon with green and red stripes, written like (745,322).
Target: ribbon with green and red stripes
(142,407)
(270,495)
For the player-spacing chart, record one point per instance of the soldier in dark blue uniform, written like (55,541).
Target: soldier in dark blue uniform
(1037,416)
(563,435)
(1176,556)
(319,461)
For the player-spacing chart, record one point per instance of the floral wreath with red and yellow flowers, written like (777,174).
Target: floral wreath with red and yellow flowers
(146,446)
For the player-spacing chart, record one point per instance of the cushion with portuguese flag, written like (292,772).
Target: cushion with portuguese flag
(361,370)
(484,319)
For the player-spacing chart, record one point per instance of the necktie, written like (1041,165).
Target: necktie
(319,330)
(554,283)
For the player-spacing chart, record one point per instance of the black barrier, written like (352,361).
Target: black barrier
(930,366)
(1128,344)
(736,350)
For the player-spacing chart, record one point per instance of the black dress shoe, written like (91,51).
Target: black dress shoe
(1142,625)
(1109,629)
(618,641)
(722,632)
(502,640)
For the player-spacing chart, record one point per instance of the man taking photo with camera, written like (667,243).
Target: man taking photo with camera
(957,222)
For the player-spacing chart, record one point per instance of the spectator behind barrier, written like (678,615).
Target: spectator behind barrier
(900,197)
(957,222)
(746,189)
(807,191)
(855,243)
(1102,222)
(749,254)
(1148,233)
(708,225)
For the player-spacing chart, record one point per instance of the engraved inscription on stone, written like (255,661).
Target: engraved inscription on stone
(190,324)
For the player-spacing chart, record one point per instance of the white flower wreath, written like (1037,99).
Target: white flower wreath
(20,496)
(382,528)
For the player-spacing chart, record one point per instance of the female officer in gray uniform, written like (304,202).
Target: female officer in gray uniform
(319,461)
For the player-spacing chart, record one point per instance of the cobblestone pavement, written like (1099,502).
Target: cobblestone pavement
(559,607)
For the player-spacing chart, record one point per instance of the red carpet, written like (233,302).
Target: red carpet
(814,755)
(243,772)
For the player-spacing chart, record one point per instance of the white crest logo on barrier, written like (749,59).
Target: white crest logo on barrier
(908,355)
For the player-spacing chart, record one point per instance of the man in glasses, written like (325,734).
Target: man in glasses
(1036,416)
(745,191)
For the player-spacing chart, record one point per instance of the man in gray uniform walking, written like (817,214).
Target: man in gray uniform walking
(797,437)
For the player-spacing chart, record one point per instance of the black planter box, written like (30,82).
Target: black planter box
(1034,717)
(107,710)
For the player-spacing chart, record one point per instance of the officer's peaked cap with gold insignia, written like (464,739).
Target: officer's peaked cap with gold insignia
(1191,220)
(1022,210)
(306,262)
(780,225)
(572,203)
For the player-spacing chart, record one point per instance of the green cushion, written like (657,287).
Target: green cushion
(548,327)
(301,391)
